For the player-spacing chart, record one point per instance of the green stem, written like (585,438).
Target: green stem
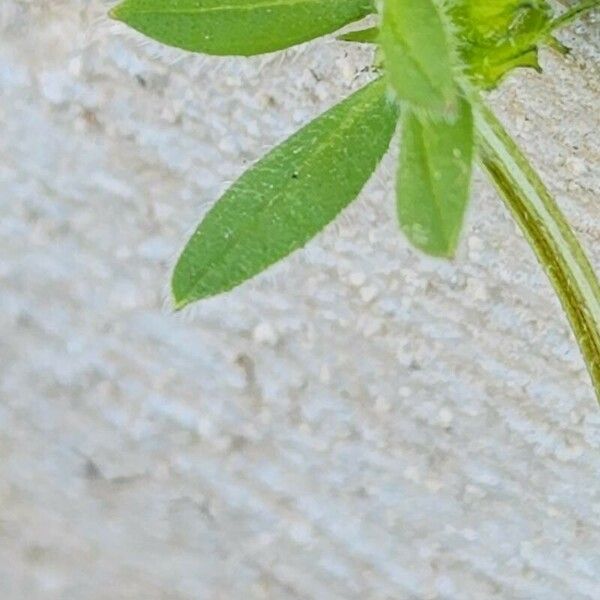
(571,14)
(548,233)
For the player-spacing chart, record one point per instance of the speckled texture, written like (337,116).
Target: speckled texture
(359,423)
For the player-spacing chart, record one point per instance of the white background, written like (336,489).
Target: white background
(360,422)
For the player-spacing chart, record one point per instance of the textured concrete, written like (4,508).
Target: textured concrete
(359,423)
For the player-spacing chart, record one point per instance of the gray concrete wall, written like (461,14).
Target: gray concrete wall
(359,423)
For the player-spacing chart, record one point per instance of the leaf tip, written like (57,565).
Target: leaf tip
(443,251)
(179,297)
(118,12)
(442,245)
(179,305)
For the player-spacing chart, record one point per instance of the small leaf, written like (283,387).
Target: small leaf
(238,27)
(287,197)
(419,58)
(434,179)
(557,46)
(361,36)
(499,36)
(488,19)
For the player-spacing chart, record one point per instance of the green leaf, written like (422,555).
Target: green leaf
(488,19)
(434,179)
(499,36)
(361,36)
(287,197)
(419,58)
(238,27)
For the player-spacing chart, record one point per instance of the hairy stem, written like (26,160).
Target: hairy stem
(548,233)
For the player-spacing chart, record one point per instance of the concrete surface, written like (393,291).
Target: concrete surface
(359,423)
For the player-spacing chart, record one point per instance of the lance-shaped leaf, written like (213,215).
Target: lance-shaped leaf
(434,179)
(419,58)
(238,27)
(287,197)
